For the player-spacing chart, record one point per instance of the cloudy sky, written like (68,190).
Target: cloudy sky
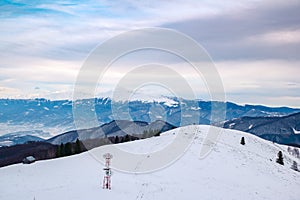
(254,44)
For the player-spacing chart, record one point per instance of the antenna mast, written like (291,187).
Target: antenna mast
(107,171)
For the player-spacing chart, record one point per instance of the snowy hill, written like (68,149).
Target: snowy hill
(230,171)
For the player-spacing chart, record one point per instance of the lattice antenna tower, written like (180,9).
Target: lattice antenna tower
(107,171)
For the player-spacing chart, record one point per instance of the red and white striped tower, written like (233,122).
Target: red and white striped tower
(107,170)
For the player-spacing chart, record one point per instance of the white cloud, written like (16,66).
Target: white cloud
(261,82)
(9,91)
(46,48)
(275,38)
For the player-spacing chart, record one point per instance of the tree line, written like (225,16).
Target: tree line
(72,148)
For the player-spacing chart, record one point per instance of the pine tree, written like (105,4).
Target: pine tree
(280,158)
(68,149)
(243,141)
(62,150)
(77,146)
(126,139)
(58,152)
(151,133)
(295,166)
(117,140)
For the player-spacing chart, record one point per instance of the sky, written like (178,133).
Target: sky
(254,44)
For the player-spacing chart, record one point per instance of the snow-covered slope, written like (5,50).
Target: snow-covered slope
(230,171)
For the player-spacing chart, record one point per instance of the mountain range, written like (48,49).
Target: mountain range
(18,138)
(283,130)
(45,119)
(52,121)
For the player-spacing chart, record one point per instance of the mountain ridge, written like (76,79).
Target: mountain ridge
(113,128)
(277,129)
(55,117)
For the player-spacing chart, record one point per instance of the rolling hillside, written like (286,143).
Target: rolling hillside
(230,171)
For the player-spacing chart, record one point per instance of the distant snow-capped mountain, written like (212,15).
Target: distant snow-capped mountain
(17,138)
(41,116)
